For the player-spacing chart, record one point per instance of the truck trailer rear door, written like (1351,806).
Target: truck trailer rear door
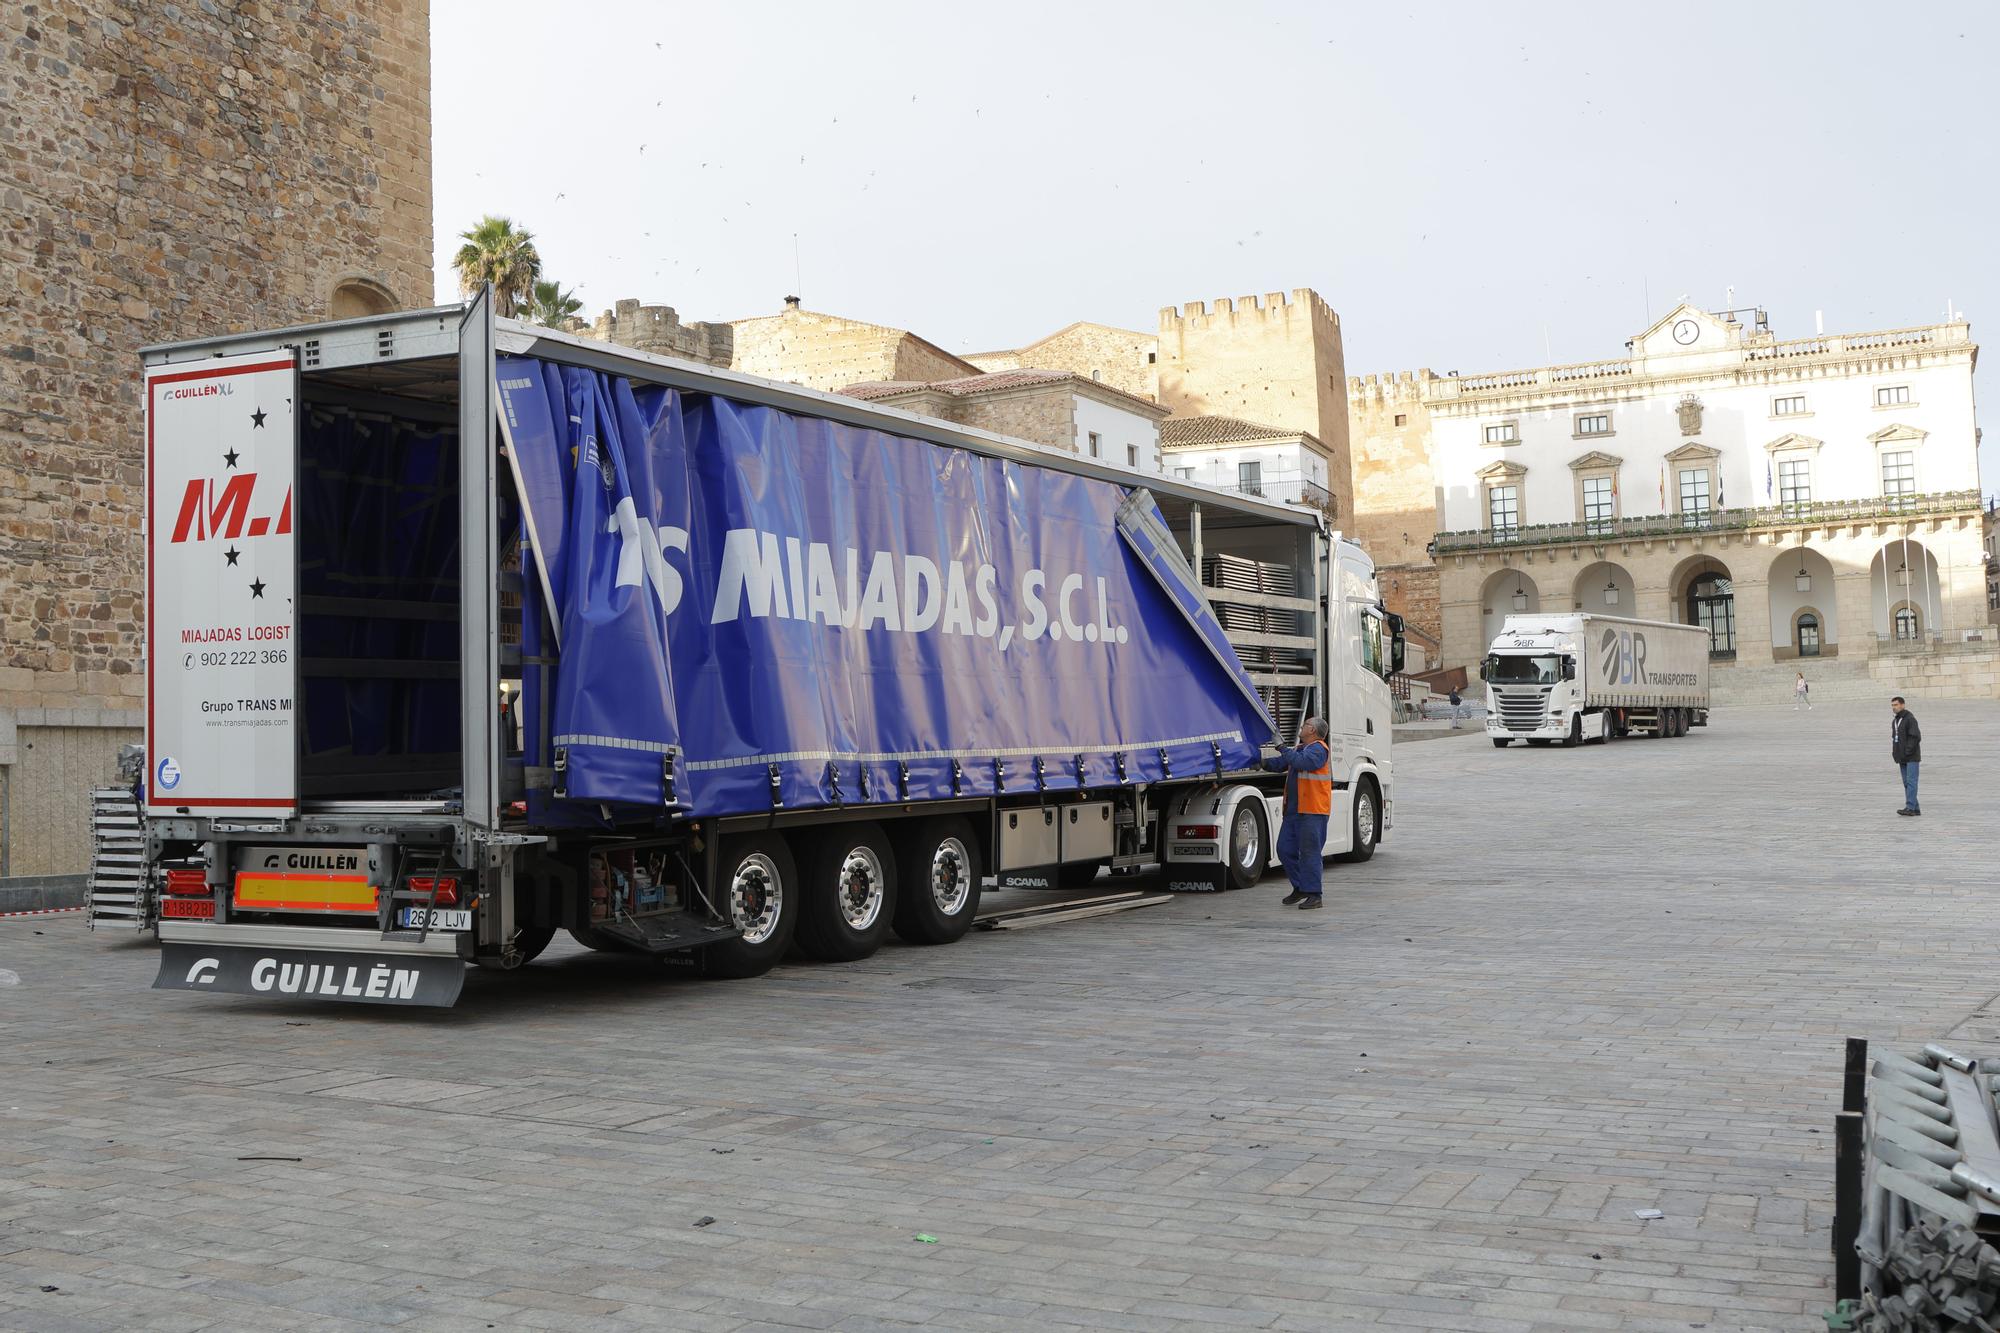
(479,546)
(221,567)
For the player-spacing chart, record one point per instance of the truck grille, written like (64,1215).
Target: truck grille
(1523,710)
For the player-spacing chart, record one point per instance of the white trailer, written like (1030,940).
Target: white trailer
(1578,677)
(359,776)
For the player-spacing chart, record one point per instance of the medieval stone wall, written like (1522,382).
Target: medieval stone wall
(1395,490)
(828,352)
(1044,413)
(658,329)
(166,172)
(1273,360)
(1121,358)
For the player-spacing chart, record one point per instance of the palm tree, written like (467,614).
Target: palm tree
(496,252)
(552,305)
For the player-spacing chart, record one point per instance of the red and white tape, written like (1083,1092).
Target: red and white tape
(43,911)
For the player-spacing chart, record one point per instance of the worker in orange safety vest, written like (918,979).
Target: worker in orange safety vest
(1308,770)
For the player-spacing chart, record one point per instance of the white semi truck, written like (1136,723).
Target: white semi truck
(1579,677)
(462,632)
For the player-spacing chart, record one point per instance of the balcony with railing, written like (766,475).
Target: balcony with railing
(1284,488)
(1644,526)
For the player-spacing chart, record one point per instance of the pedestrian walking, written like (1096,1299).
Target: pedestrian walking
(1308,770)
(1801,694)
(1457,708)
(1906,747)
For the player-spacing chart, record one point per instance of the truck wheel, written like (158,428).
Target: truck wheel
(1575,730)
(848,894)
(529,941)
(1367,822)
(1078,874)
(1249,846)
(937,865)
(1502,742)
(761,886)
(591,938)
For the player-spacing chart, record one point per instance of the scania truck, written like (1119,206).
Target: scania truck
(462,632)
(1580,677)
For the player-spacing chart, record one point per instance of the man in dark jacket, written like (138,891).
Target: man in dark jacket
(1906,747)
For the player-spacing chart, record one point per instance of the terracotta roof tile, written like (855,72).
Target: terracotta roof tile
(1217,430)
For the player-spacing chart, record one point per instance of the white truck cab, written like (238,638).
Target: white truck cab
(1580,677)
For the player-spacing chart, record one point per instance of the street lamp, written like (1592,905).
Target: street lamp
(1803,580)
(1611,593)
(1520,595)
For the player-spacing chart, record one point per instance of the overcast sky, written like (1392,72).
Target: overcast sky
(1472,186)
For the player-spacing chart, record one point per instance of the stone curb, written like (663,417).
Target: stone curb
(42,893)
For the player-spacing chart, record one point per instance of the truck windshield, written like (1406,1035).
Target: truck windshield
(1509,670)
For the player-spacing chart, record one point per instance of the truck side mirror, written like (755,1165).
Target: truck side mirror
(1569,668)
(1398,648)
(1486,668)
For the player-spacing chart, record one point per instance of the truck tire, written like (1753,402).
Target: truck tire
(1367,822)
(761,886)
(593,939)
(1078,874)
(938,871)
(529,941)
(1575,731)
(848,893)
(1502,742)
(1249,846)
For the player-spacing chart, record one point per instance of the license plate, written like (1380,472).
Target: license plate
(442,918)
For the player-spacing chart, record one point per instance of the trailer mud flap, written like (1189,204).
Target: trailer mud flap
(312,974)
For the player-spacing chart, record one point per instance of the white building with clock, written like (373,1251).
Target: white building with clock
(1804,498)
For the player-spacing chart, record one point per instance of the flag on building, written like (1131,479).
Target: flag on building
(1720,501)
(1663,488)
(1767,481)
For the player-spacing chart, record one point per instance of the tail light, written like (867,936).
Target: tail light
(447,888)
(189,883)
(1200,830)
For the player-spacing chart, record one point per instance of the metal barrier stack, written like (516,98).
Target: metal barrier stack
(1917,1192)
(120,884)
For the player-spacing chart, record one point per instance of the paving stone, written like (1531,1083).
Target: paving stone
(1575,983)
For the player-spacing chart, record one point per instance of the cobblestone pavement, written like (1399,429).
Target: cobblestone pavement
(1577,984)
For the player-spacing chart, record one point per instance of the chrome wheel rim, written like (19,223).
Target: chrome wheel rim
(951,876)
(860,889)
(1364,819)
(756,897)
(1245,838)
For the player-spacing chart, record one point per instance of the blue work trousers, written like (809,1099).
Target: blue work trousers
(1302,849)
(1909,795)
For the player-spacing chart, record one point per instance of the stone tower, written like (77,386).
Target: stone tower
(658,329)
(1395,489)
(1273,360)
(173,171)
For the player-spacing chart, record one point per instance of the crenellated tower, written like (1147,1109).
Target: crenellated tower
(1275,360)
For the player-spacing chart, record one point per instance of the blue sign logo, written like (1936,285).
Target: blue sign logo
(168,773)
